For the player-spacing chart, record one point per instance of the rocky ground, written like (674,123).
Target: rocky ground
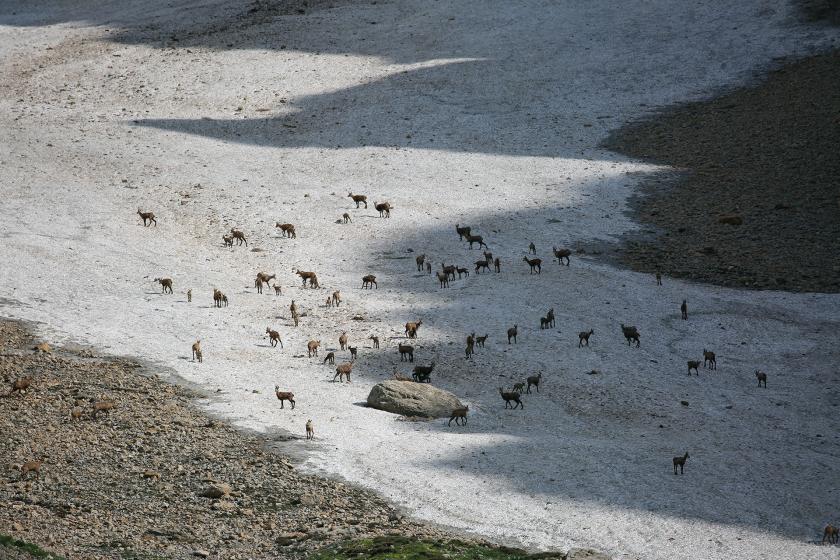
(762,158)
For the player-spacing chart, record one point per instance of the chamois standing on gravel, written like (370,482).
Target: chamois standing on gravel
(406,352)
(470,350)
(476,239)
(293,310)
(336,298)
(684,310)
(461,271)
(422,374)
(512,332)
(228,239)
(532,249)
(102,406)
(459,415)
(375,340)
(485,264)
(420,260)
(312,347)
(305,276)
(342,340)
(831,533)
(277,289)
(165,284)
(147,217)
(561,254)
(345,218)
(709,358)
(239,236)
(342,370)
(631,334)
(584,337)
(448,270)
(509,396)
(519,387)
(283,396)
(693,365)
(353,352)
(443,278)
(680,462)
(196,351)
(428,267)
(535,381)
(273,337)
(31,466)
(286,230)
(219,298)
(384,209)
(330,359)
(358,199)
(535,264)
(463,232)
(369,281)
(411,328)
(310,431)
(480,340)
(658,279)
(762,378)
(189,295)
(550,317)
(263,278)
(20,385)
(497,264)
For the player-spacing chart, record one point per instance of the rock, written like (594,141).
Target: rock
(412,399)
(216,491)
(731,219)
(201,553)
(44,348)
(586,554)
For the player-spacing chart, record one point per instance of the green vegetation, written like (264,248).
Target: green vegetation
(34,551)
(403,548)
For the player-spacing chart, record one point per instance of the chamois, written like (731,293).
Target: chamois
(330,359)
(532,249)
(165,284)
(461,271)
(448,270)
(263,278)
(228,239)
(342,370)
(680,461)
(147,217)
(239,236)
(219,298)
(428,267)
(535,381)
(287,230)
(693,365)
(512,333)
(312,347)
(273,337)
(283,396)
(196,351)
(561,254)
(545,323)
(375,340)
(509,396)
(658,279)
(189,295)
(831,533)
(420,260)
(631,334)
(277,289)
(463,232)
(470,350)
(384,209)
(20,385)
(459,415)
(411,328)
(485,264)
(488,256)
(709,358)
(406,352)
(336,298)
(31,466)
(345,218)
(476,239)
(329,302)
(519,387)
(684,310)
(584,337)
(497,265)
(307,276)
(480,340)
(422,373)
(535,264)
(550,317)
(102,406)
(310,431)
(443,278)
(76,413)
(369,281)
(353,352)
(762,378)
(342,340)
(358,199)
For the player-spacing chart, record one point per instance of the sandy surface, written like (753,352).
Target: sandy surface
(482,114)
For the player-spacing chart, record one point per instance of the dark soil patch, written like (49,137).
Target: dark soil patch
(764,157)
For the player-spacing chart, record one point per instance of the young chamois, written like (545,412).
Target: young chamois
(147,217)
(189,295)
(342,370)
(263,278)
(443,278)
(480,340)
(305,276)
(228,239)
(358,199)
(283,396)
(831,533)
(535,381)
(196,351)
(470,350)
(312,347)
(485,264)
(561,254)
(406,352)
(488,256)
(680,462)
(476,239)
(31,466)
(375,340)
(461,271)
(165,284)
(411,328)
(353,352)
(428,267)
(384,209)
(448,270)
(535,264)
(20,385)
(512,332)
(369,281)
(532,249)
(310,431)
(330,359)
(342,340)
(584,337)
(709,358)
(345,218)
(658,279)
(420,260)
(693,365)
(293,310)
(631,334)
(422,374)
(277,289)
(273,337)
(684,310)
(219,298)
(459,415)
(287,230)
(550,317)
(762,378)
(463,232)
(239,236)
(509,396)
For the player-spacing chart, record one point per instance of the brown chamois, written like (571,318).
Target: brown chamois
(532,249)
(330,359)
(196,351)
(224,300)
(102,406)
(353,352)
(658,279)
(384,209)
(219,298)
(471,339)
(263,278)
(443,278)
(584,337)
(535,381)
(31,466)
(375,340)
(463,232)
(189,295)
(693,365)
(459,415)
(358,199)
(535,264)
(512,332)
(544,323)
(277,289)
(287,230)
(411,328)
(684,310)
(228,239)
(480,340)
(20,385)
(519,387)
(329,302)
(336,298)
(345,218)
(283,396)
(497,264)
(306,276)
(448,270)
(428,267)
(470,350)
(310,431)
(561,254)
(312,347)
(509,396)
(680,462)
(420,260)
(422,374)
(406,352)
(550,317)
(485,264)
(631,333)
(831,533)
(488,256)
(762,378)
(273,337)
(369,281)
(477,239)
(239,236)
(342,340)
(709,358)
(461,271)
(342,370)
(147,217)
(165,284)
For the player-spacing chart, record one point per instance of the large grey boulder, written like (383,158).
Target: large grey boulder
(412,399)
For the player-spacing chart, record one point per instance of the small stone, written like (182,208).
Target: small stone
(201,553)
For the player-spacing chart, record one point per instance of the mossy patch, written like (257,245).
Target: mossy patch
(404,548)
(32,550)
